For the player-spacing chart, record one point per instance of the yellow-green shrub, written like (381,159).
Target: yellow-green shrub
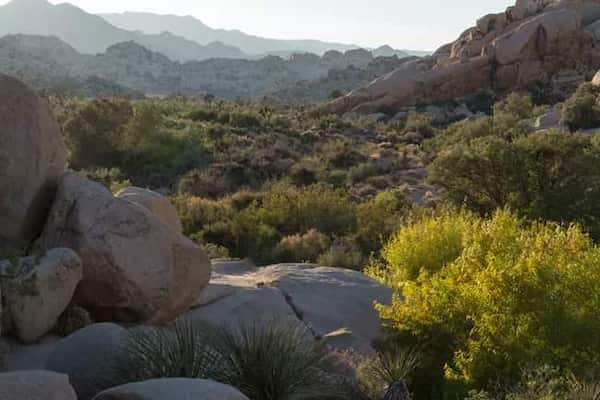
(509,294)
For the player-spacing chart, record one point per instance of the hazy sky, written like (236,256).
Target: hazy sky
(415,24)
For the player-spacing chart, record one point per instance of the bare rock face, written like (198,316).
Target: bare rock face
(135,267)
(535,41)
(40,292)
(32,159)
(35,385)
(157,204)
(335,305)
(172,388)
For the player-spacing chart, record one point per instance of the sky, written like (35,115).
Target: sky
(408,24)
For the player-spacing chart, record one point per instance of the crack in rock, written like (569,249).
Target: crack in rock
(298,313)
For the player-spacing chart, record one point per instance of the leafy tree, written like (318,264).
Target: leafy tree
(554,176)
(581,110)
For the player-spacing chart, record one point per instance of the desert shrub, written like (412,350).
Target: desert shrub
(203,115)
(291,209)
(420,124)
(378,218)
(204,183)
(550,175)
(214,251)
(512,114)
(199,215)
(245,119)
(342,254)
(543,383)
(275,361)
(360,172)
(392,365)
(425,244)
(581,110)
(505,292)
(92,133)
(481,101)
(178,351)
(302,248)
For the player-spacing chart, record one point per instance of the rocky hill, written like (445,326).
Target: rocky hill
(339,80)
(128,69)
(91,34)
(551,45)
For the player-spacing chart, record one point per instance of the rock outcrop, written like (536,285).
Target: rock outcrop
(39,291)
(88,357)
(32,159)
(333,304)
(157,204)
(549,42)
(172,388)
(135,267)
(35,385)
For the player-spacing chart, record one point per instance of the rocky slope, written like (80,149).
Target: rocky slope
(553,44)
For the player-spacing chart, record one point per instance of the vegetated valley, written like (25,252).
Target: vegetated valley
(383,228)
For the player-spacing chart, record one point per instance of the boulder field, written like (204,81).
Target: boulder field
(535,42)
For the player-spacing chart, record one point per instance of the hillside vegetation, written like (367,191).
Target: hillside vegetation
(485,228)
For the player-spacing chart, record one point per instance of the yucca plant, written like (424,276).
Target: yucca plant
(275,361)
(182,350)
(389,371)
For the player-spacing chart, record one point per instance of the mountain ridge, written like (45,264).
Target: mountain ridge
(92,34)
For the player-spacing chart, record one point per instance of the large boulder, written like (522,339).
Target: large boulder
(537,36)
(35,385)
(89,358)
(40,291)
(135,267)
(333,304)
(173,388)
(32,159)
(154,202)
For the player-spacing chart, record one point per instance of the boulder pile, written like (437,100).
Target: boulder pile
(535,42)
(121,258)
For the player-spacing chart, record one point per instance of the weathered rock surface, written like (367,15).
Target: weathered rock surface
(40,291)
(27,357)
(35,385)
(88,357)
(32,158)
(552,118)
(552,43)
(135,268)
(174,388)
(333,304)
(154,202)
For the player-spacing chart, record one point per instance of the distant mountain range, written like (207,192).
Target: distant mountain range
(128,68)
(179,38)
(91,34)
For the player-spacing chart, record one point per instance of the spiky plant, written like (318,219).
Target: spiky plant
(275,361)
(389,371)
(182,350)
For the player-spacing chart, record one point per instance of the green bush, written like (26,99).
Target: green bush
(302,248)
(505,292)
(546,175)
(581,110)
